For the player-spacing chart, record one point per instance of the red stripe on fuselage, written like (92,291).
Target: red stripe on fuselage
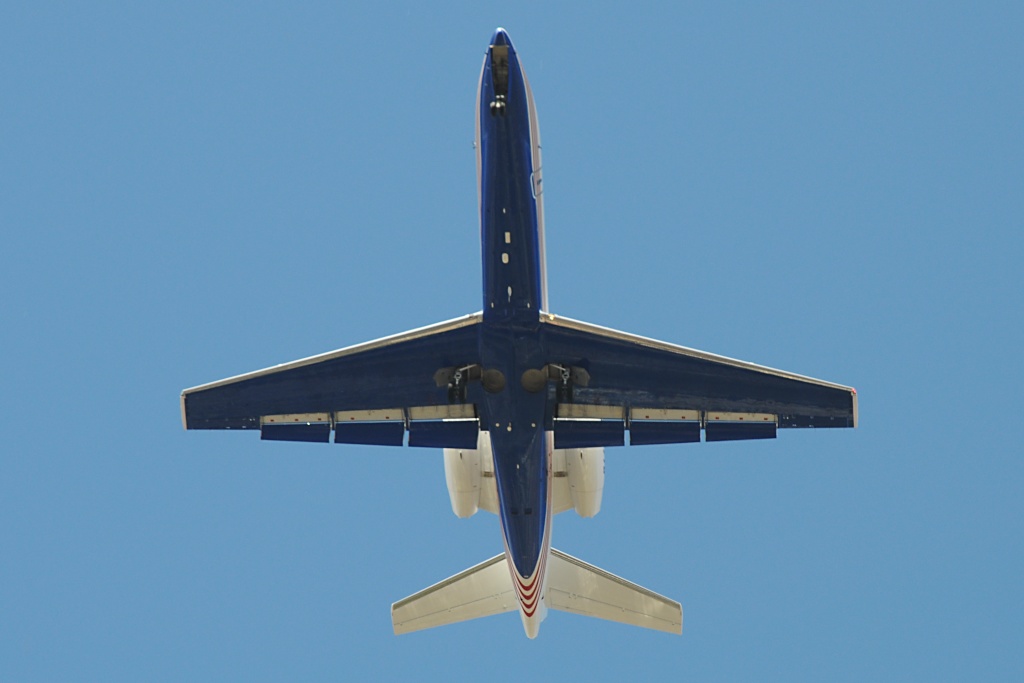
(527,589)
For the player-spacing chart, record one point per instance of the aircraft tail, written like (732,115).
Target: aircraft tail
(479,591)
(581,588)
(571,586)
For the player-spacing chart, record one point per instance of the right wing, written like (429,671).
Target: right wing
(390,380)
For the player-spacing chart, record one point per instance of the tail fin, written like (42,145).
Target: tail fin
(479,591)
(577,587)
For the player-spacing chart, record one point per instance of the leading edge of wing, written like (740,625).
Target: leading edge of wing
(617,335)
(409,335)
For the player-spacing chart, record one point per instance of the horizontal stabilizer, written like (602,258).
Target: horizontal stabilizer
(577,587)
(479,591)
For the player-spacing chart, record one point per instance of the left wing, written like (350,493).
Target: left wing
(371,385)
(664,393)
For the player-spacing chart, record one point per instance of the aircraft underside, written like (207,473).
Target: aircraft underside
(522,402)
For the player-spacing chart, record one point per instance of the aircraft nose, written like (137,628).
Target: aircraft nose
(500,37)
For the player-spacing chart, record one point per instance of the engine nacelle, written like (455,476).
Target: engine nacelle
(585,471)
(469,474)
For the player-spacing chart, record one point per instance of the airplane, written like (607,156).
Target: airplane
(523,402)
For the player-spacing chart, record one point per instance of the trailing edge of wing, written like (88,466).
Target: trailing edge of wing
(632,371)
(392,372)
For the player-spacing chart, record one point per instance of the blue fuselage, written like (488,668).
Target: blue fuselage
(511,220)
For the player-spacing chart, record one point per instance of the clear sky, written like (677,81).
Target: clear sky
(195,190)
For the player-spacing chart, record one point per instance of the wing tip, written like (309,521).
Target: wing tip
(853,395)
(184,414)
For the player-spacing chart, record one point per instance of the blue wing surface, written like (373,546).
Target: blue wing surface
(637,373)
(389,374)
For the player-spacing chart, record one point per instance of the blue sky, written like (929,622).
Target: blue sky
(196,190)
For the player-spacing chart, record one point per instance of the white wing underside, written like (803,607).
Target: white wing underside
(581,588)
(479,591)
(572,586)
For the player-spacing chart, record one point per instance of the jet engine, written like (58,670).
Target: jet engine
(584,469)
(469,474)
